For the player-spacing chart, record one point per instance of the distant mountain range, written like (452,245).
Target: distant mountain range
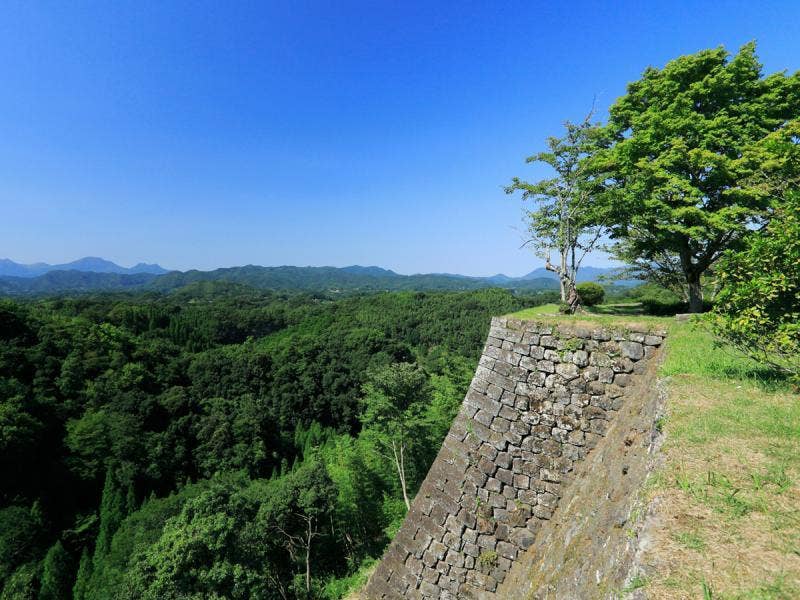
(89,264)
(96,274)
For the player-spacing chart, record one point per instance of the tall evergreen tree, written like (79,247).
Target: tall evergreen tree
(56,574)
(81,587)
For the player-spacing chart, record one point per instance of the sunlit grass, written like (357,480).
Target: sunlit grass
(606,315)
(729,486)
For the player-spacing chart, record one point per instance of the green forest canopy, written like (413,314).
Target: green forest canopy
(162,446)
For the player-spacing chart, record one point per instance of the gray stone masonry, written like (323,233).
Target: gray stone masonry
(541,397)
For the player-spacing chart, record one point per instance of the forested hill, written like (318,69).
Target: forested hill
(153,443)
(286,278)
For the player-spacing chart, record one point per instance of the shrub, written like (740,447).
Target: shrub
(758,306)
(591,293)
(657,300)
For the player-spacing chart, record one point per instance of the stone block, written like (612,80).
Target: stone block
(503,368)
(548,341)
(622,365)
(486,466)
(546,366)
(600,359)
(483,417)
(507,550)
(522,348)
(493,392)
(552,356)
(494,485)
(522,538)
(632,350)
(505,476)
(500,425)
(652,340)
(580,358)
(471,549)
(605,375)
(622,379)
(568,371)
(438,549)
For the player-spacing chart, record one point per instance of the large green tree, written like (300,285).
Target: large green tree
(298,510)
(683,162)
(395,399)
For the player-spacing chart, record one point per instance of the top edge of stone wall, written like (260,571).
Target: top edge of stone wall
(580,328)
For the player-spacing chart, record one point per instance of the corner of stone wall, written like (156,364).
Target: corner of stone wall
(541,399)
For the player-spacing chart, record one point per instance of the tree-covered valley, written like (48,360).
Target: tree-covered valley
(221,441)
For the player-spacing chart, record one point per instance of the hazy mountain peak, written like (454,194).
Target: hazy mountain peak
(89,264)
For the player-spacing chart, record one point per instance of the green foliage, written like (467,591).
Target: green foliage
(81,587)
(396,398)
(565,218)
(23,583)
(20,531)
(591,293)
(689,146)
(210,547)
(111,399)
(758,306)
(340,587)
(488,559)
(57,573)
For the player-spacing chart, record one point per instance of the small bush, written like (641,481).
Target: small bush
(488,558)
(591,293)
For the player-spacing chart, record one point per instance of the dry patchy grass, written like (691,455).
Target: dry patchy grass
(726,521)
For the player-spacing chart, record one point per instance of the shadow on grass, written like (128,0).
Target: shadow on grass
(632,308)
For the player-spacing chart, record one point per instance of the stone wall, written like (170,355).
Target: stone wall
(541,398)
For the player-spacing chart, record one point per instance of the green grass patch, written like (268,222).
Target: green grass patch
(606,315)
(690,540)
(536,311)
(336,588)
(694,351)
(638,582)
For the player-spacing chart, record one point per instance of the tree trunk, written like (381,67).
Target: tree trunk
(399,462)
(308,558)
(695,293)
(573,298)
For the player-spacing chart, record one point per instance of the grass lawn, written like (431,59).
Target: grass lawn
(727,497)
(726,500)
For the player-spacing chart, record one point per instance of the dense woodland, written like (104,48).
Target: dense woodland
(220,441)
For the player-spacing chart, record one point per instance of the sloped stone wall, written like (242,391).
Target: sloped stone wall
(540,400)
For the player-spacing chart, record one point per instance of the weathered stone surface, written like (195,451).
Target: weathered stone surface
(539,402)
(632,350)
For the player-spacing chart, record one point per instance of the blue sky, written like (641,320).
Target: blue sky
(209,134)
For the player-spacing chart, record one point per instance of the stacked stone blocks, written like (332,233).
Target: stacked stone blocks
(541,398)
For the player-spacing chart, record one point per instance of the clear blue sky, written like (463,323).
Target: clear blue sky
(207,134)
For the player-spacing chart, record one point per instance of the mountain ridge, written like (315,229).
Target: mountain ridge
(331,280)
(87,264)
